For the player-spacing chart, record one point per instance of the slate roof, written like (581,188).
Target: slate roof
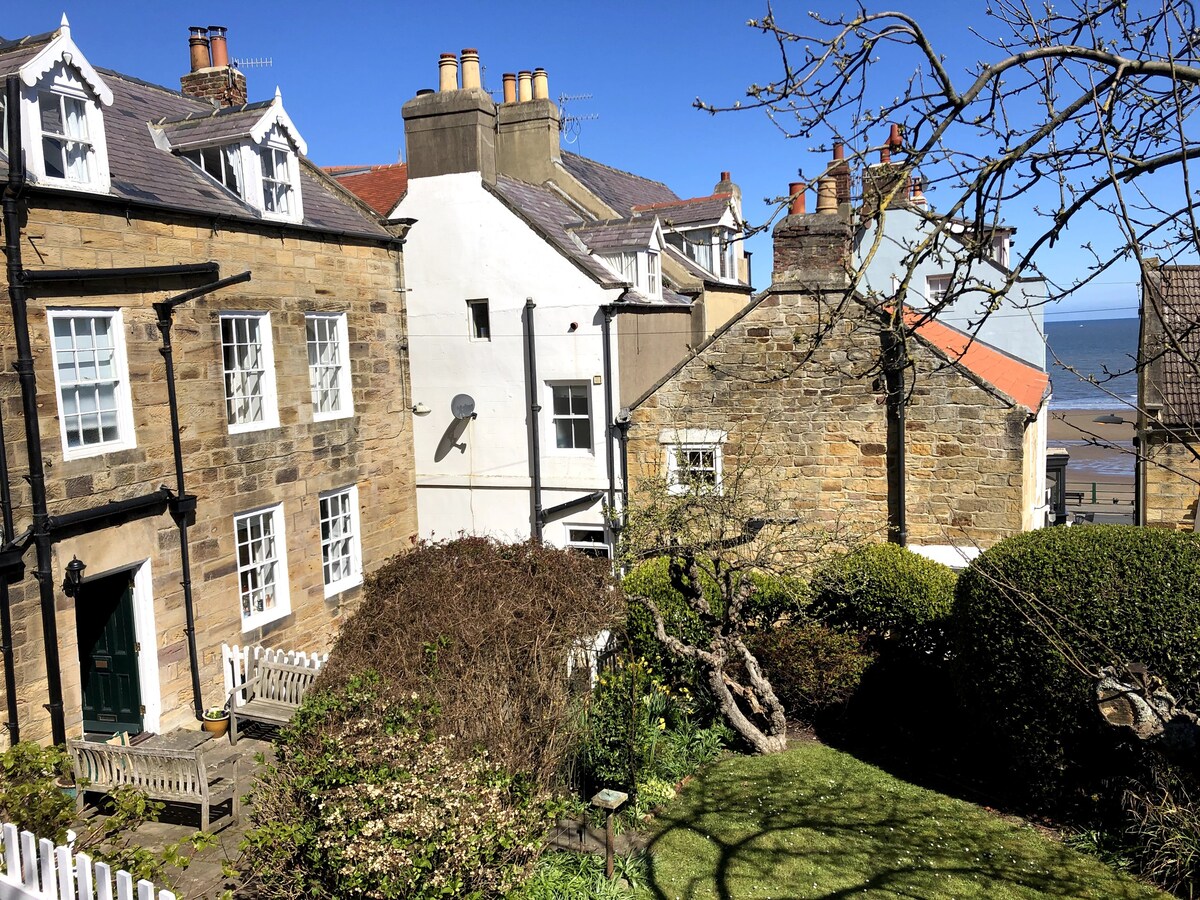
(1173,292)
(380,187)
(1016,379)
(547,214)
(212,126)
(693,211)
(616,234)
(620,190)
(142,173)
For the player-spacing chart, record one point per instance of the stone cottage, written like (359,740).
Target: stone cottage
(207,438)
(941,449)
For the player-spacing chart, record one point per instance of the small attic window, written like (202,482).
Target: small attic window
(222,163)
(67,151)
(277,184)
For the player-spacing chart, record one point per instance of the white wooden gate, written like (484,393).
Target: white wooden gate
(37,870)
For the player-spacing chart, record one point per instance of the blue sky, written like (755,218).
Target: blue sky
(345,71)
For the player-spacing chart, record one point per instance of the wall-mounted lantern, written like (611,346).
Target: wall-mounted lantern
(74,577)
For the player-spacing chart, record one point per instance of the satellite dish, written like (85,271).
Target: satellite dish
(463,406)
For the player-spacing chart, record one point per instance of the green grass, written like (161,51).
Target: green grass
(816,823)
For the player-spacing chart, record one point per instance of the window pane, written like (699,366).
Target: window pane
(563,435)
(245,369)
(52,153)
(88,379)
(51,113)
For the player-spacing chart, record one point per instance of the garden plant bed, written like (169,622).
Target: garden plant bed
(815,822)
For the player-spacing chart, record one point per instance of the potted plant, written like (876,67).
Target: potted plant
(216,720)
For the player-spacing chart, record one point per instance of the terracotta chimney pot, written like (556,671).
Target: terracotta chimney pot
(524,86)
(839,150)
(827,195)
(796,192)
(894,143)
(470,68)
(915,193)
(448,72)
(510,87)
(198,45)
(541,85)
(725,176)
(218,46)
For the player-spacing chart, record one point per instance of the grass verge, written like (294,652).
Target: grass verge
(814,822)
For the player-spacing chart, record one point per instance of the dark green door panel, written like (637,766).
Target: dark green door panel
(108,655)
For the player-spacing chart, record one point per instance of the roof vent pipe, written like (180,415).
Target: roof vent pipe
(218,46)
(198,45)
(510,87)
(448,72)
(470,69)
(796,192)
(524,86)
(541,85)
(827,195)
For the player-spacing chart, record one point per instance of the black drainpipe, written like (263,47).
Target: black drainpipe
(6,642)
(33,438)
(895,360)
(535,409)
(183,504)
(606,340)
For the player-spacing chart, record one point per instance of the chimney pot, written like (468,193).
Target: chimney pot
(524,86)
(841,172)
(827,202)
(894,144)
(510,87)
(470,69)
(839,150)
(198,45)
(725,176)
(448,72)
(915,193)
(541,85)
(796,192)
(218,46)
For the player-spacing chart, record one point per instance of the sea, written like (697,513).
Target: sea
(1091,363)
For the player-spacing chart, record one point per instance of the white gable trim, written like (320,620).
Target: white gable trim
(276,115)
(62,49)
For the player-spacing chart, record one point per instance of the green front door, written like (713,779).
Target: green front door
(108,655)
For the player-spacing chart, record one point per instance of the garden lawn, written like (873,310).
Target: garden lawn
(813,822)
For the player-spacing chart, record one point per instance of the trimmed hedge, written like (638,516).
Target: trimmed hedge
(885,591)
(1105,594)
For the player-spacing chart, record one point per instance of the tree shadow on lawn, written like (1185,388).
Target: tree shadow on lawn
(815,823)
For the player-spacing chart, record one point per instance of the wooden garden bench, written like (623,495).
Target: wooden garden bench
(272,695)
(161,774)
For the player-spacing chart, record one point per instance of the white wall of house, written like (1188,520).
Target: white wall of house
(1016,327)
(473,476)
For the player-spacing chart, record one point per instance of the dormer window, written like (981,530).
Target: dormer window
(222,163)
(277,183)
(653,276)
(67,153)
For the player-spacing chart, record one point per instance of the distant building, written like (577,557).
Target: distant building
(127,205)
(1168,422)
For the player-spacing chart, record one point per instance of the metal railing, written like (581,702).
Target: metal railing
(1095,495)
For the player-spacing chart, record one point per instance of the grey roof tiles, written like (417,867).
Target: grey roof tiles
(1174,292)
(620,190)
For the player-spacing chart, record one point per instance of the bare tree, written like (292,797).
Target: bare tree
(722,536)
(1077,118)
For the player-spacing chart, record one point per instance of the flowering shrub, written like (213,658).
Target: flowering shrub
(639,729)
(367,800)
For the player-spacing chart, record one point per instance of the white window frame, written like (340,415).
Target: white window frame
(232,161)
(676,483)
(653,274)
(554,418)
(63,83)
(575,542)
(275,142)
(345,382)
(348,495)
(936,288)
(246,596)
(473,324)
(270,401)
(126,437)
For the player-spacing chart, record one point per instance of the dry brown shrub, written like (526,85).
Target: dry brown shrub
(484,630)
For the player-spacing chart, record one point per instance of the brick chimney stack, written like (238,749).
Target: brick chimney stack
(527,131)
(885,177)
(212,77)
(812,250)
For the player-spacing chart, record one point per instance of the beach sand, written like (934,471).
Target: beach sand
(1101,464)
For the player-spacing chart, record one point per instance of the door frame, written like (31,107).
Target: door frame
(145,633)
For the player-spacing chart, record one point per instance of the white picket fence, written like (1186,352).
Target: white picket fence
(37,870)
(238,663)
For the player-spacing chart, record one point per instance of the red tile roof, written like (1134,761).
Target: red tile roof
(1018,380)
(380,187)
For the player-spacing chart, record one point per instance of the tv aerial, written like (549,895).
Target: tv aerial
(253,62)
(569,124)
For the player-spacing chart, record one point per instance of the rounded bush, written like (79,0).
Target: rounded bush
(811,668)
(885,591)
(1038,613)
